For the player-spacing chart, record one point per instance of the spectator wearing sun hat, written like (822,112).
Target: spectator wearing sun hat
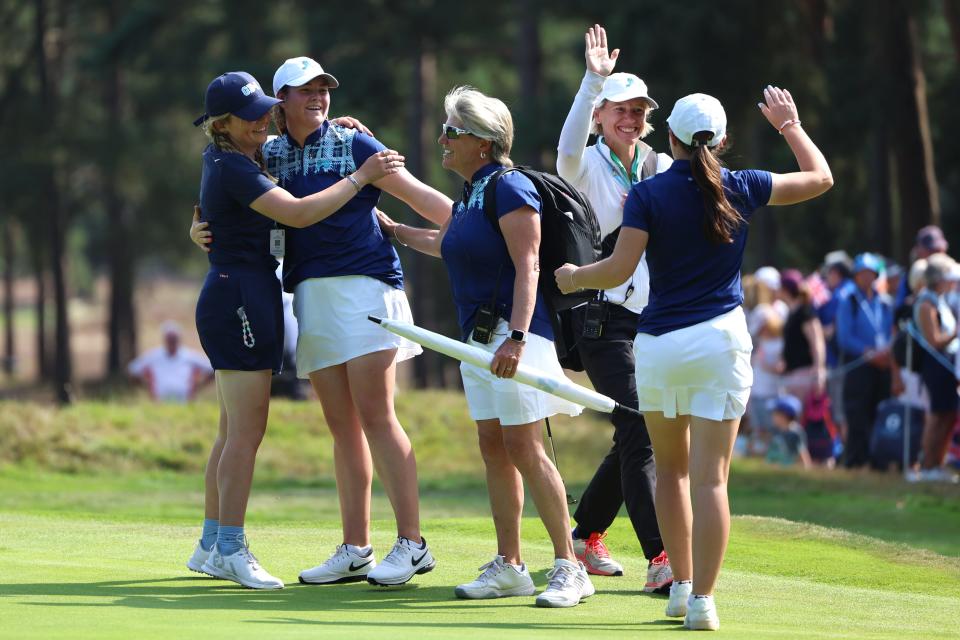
(788,446)
(864,326)
(930,241)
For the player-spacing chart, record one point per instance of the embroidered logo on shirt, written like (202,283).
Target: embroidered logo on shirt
(332,152)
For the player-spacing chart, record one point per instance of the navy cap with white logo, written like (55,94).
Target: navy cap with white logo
(237,93)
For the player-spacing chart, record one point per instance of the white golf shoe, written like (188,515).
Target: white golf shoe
(568,584)
(405,560)
(241,567)
(498,579)
(343,566)
(701,614)
(199,557)
(679,593)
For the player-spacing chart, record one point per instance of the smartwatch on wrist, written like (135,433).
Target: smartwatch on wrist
(518,336)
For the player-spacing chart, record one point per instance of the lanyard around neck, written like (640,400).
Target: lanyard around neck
(619,170)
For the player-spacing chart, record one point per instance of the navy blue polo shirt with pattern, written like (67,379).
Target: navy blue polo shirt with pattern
(692,279)
(229,183)
(348,242)
(476,254)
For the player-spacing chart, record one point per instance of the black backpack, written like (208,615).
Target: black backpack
(569,231)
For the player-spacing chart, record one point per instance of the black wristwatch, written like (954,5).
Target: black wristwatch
(518,336)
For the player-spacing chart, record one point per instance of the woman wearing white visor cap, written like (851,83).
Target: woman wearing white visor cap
(615,107)
(694,376)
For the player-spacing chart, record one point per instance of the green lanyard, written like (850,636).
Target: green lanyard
(620,172)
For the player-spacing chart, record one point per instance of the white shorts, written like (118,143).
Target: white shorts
(702,371)
(332,318)
(490,397)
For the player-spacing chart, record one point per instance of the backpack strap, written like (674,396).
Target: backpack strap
(490,198)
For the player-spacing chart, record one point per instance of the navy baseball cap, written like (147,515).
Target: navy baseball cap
(237,93)
(789,406)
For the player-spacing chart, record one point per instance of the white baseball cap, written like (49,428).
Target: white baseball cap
(695,113)
(768,276)
(296,72)
(620,87)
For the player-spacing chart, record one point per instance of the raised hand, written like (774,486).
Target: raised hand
(379,165)
(778,108)
(598,59)
(351,123)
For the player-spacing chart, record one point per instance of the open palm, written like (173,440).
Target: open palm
(599,60)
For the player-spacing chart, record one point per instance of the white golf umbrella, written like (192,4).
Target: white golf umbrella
(559,386)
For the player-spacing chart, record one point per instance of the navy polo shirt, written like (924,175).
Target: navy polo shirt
(348,242)
(476,255)
(691,278)
(228,184)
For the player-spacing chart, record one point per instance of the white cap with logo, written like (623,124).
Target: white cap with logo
(297,72)
(695,113)
(620,87)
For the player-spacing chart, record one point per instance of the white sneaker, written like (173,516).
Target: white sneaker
(240,567)
(404,561)
(212,566)
(498,580)
(595,557)
(199,557)
(659,574)
(568,585)
(343,566)
(677,605)
(701,614)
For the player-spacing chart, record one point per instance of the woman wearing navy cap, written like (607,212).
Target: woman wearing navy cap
(239,312)
(694,378)
(494,274)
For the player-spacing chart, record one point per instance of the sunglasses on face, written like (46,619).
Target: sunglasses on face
(453,132)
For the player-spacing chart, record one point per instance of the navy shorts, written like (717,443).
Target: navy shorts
(240,318)
(941,384)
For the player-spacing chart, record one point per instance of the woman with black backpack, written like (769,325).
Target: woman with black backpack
(494,272)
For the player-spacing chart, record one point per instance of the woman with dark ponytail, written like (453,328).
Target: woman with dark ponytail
(694,378)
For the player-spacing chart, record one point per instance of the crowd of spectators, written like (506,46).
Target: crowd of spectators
(850,357)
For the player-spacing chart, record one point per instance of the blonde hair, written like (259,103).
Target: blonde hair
(223,142)
(915,278)
(485,117)
(595,126)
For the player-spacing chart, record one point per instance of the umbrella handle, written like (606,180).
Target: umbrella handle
(626,412)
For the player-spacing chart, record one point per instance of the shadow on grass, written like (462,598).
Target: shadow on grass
(354,601)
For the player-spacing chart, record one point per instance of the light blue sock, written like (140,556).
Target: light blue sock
(229,540)
(209,535)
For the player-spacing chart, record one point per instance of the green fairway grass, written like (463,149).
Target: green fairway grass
(100,507)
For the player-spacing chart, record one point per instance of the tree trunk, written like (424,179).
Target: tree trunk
(951,10)
(40,311)
(528,60)
(910,125)
(122,324)
(62,369)
(9,355)
(427,369)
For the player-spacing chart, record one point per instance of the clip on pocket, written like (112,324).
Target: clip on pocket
(248,339)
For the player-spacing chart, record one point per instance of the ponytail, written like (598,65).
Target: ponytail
(722,220)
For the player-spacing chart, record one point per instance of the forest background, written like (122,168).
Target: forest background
(101,167)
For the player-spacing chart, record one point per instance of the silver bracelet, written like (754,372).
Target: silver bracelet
(396,235)
(356,185)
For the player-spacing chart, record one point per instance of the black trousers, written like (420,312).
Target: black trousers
(864,387)
(627,474)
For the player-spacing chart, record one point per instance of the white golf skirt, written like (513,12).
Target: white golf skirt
(703,370)
(490,397)
(332,318)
